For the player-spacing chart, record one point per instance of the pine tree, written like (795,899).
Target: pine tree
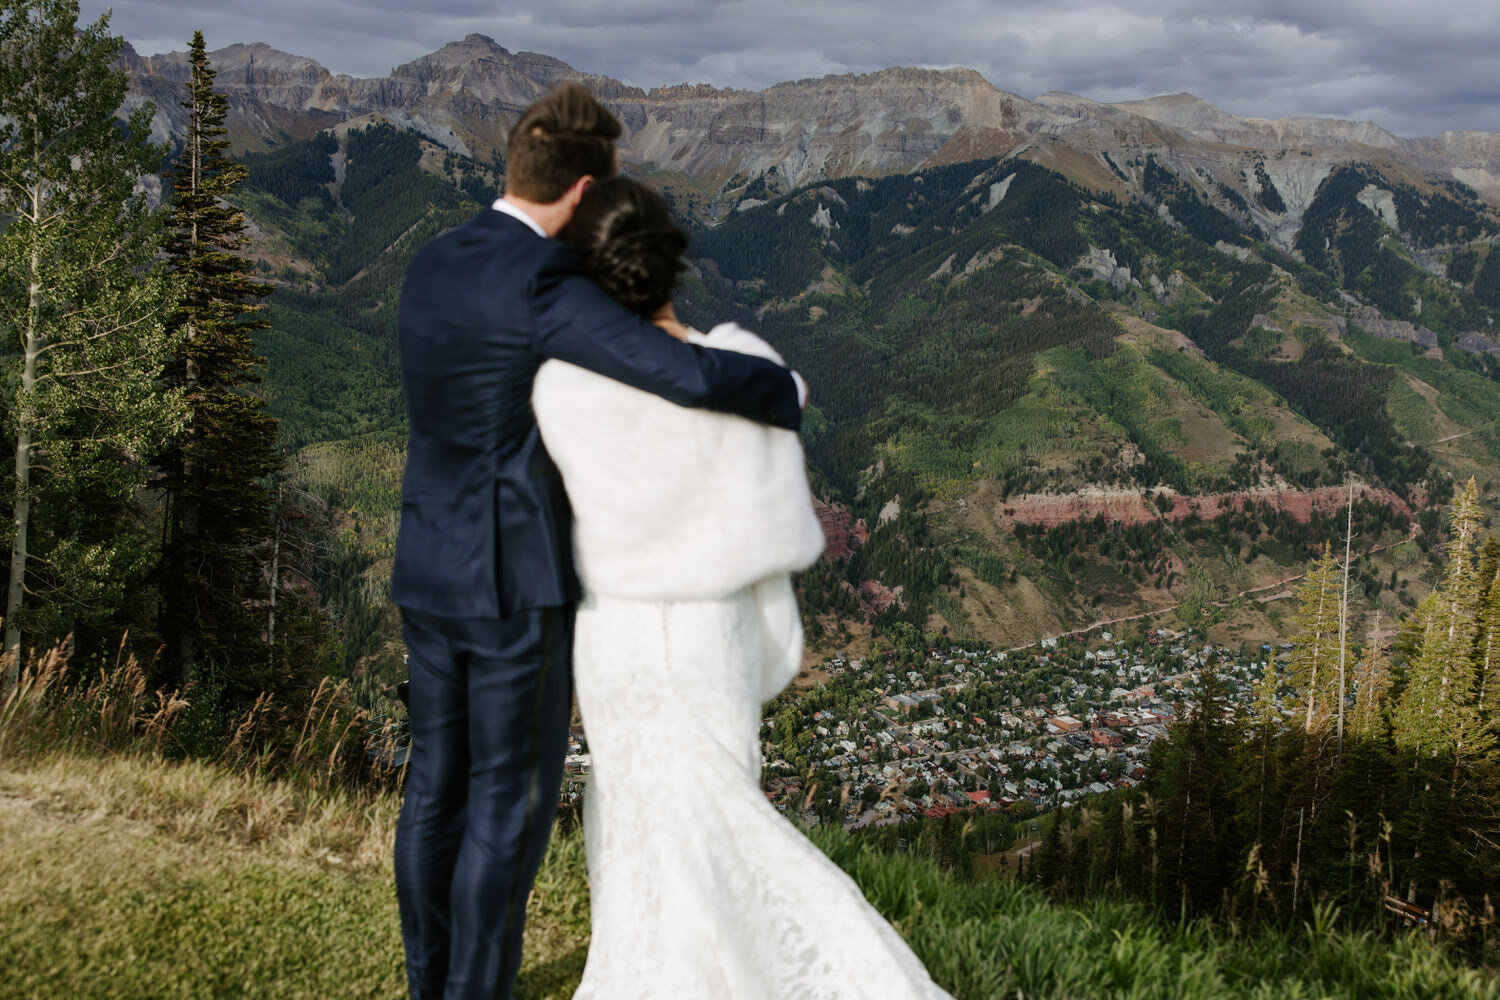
(1487,657)
(1314,659)
(1341,699)
(1194,785)
(1263,711)
(1372,682)
(215,472)
(81,300)
(1438,715)
(1259,776)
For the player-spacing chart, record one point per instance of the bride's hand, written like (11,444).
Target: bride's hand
(666,318)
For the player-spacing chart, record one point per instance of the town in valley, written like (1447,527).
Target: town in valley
(936,730)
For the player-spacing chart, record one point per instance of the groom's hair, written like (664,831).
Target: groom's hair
(557,140)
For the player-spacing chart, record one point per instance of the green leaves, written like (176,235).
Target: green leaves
(82,296)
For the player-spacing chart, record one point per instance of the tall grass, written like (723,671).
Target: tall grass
(133,869)
(321,739)
(993,938)
(316,785)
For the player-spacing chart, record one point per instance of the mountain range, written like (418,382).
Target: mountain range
(1073,362)
(465,96)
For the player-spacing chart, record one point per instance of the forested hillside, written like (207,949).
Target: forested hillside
(339,216)
(1001,357)
(990,330)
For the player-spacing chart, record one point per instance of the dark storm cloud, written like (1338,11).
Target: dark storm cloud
(1417,67)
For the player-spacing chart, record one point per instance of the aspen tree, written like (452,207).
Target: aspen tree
(82,299)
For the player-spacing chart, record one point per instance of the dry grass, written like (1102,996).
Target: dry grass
(136,877)
(322,739)
(133,871)
(196,803)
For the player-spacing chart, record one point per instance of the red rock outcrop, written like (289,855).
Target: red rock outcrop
(1131,506)
(843,531)
(874,596)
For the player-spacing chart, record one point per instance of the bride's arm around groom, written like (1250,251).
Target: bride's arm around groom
(673,504)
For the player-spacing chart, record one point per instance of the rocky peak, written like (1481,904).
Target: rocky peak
(473,48)
(259,64)
(477,68)
(694,92)
(1330,132)
(1186,112)
(1059,109)
(130,60)
(896,76)
(475,40)
(1061,100)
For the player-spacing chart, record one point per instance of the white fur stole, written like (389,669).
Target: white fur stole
(677,504)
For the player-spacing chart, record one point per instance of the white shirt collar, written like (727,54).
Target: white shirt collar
(503,206)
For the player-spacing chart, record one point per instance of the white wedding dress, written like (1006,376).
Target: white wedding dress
(687,526)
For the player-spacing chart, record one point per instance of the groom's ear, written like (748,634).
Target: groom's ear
(575,193)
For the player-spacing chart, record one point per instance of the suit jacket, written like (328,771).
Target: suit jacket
(485,523)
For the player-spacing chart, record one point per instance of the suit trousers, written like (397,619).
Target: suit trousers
(489,709)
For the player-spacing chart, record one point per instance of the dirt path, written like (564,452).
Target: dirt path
(1025,849)
(1005,864)
(1460,434)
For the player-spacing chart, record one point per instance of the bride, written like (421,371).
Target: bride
(687,526)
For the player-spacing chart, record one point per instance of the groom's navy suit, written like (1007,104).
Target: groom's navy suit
(484,576)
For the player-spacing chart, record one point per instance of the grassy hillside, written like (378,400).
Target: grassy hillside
(262,869)
(131,877)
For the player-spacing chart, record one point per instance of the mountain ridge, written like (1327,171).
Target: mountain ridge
(465,95)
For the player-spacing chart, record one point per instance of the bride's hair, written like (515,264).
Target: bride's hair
(630,244)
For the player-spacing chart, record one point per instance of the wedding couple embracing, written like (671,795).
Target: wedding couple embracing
(597,496)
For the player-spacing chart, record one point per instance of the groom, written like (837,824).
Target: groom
(483,571)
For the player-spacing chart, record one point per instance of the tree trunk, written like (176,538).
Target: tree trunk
(1344,616)
(275,575)
(1297,865)
(25,426)
(1312,681)
(186,554)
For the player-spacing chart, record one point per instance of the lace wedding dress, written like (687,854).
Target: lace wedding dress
(688,524)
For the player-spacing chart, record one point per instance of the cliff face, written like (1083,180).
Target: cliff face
(842,532)
(838,126)
(466,95)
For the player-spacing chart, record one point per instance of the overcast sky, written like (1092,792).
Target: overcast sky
(1415,67)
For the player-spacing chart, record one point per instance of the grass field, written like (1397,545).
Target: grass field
(128,877)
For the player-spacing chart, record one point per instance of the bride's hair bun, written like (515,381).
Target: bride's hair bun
(629,241)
